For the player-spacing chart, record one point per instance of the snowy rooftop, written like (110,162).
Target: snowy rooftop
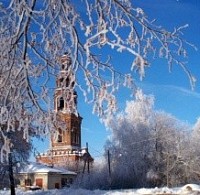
(34,167)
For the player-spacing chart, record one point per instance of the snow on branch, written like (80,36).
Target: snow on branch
(35,34)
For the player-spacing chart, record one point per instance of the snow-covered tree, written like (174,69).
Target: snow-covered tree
(130,142)
(19,150)
(147,146)
(35,34)
(168,149)
(192,154)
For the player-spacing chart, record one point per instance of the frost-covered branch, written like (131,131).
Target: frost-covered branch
(35,34)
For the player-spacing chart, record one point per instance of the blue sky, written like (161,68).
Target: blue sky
(172,91)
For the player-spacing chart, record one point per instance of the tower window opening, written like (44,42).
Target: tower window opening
(75,140)
(63,67)
(67,82)
(61,104)
(60,137)
(60,82)
(63,82)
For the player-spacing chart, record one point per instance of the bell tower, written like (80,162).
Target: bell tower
(65,149)
(65,106)
(65,99)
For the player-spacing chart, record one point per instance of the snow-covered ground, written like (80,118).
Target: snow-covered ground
(189,189)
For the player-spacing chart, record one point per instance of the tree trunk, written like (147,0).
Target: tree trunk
(11,177)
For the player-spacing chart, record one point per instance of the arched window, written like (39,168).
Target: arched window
(60,84)
(67,82)
(61,103)
(63,66)
(75,138)
(64,82)
(60,136)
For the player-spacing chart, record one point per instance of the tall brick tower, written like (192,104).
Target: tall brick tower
(65,147)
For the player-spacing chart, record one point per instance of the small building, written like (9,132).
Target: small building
(36,175)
